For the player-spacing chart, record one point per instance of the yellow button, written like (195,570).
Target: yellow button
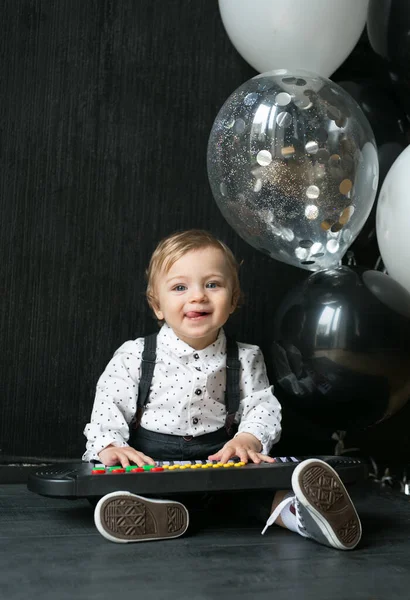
(239,464)
(205,466)
(184,466)
(228,465)
(165,466)
(173,467)
(217,466)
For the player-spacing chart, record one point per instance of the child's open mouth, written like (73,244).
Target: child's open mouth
(193,314)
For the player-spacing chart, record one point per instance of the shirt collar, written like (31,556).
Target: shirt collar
(174,345)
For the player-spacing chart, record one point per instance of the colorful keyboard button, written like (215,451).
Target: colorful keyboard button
(171,466)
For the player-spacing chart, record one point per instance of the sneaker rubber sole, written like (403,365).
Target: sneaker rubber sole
(123,517)
(327,511)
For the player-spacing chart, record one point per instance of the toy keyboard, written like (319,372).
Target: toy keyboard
(84,480)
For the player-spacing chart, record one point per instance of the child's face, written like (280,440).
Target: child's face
(195,296)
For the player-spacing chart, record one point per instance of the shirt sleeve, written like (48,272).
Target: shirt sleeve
(259,411)
(115,401)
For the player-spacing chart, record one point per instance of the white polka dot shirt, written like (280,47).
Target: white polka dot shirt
(187,395)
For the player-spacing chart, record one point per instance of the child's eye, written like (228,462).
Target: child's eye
(212,284)
(179,288)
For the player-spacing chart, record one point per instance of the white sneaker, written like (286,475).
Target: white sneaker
(124,517)
(323,509)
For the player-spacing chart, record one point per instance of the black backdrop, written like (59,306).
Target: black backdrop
(105,112)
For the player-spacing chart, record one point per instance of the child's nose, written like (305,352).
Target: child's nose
(198,293)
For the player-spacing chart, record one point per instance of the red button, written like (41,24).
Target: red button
(115,471)
(157,469)
(98,472)
(139,470)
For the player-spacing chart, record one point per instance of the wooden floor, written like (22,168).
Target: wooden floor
(49,549)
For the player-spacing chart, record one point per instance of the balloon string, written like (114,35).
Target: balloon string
(378,263)
(379,266)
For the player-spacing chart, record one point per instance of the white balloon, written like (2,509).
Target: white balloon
(316,35)
(393,220)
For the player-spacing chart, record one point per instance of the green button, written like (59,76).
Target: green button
(98,467)
(115,468)
(147,467)
(131,467)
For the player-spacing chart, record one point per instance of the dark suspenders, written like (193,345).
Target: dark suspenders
(149,355)
(232,397)
(233,365)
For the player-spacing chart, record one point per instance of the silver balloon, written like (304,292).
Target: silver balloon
(293,167)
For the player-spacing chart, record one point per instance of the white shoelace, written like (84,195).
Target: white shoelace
(277,512)
(284,504)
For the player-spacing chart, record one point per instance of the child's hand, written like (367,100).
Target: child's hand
(111,456)
(245,446)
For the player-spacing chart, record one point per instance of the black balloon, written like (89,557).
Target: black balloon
(341,349)
(386,117)
(388,28)
(388,122)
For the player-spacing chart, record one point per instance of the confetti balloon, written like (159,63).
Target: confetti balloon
(293,167)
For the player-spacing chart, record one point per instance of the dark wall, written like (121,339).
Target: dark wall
(106,107)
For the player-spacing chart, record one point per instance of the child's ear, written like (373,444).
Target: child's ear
(155,307)
(159,315)
(234,303)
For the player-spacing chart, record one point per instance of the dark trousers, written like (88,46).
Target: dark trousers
(161,446)
(247,505)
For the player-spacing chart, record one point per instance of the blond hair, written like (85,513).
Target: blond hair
(176,245)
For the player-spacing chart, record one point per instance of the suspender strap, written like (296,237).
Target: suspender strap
(233,365)
(147,371)
(232,396)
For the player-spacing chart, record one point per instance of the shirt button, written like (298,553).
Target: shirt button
(195,421)
(196,356)
(198,392)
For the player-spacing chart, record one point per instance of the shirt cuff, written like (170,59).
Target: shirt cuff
(98,445)
(259,431)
